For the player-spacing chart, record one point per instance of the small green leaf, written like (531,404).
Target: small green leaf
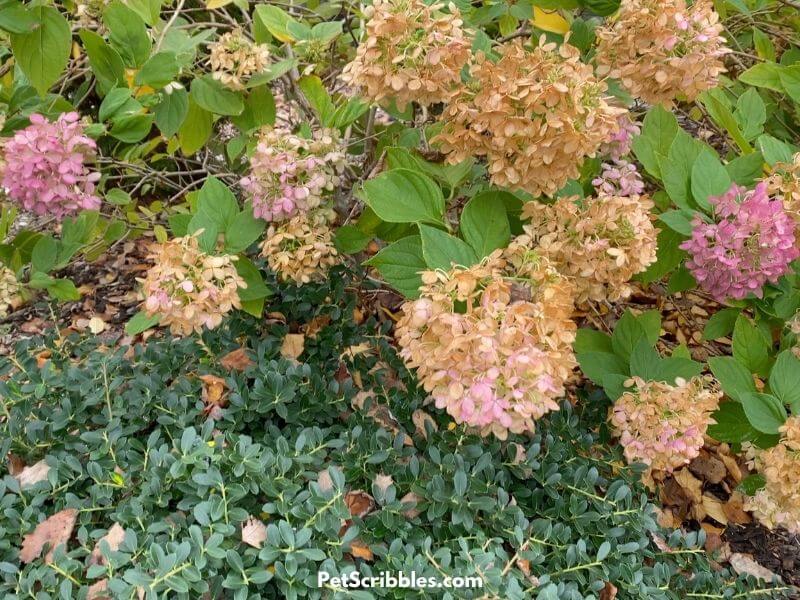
(484,224)
(750,346)
(400,264)
(734,378)
(43,53)
(140,322)
(764,411)
(403,196)
(442,250)
(784,380)
(211,95)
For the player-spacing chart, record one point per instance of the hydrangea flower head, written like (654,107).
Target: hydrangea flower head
(234,59)
(620,178)
(535,114)
(46,170)
(301,249)
(620,143)
(751,243)
(9,291)
(600,243)
(778,502)
(661,49)
(290,174)
(188,289)
(499,363)
(784,184)
(662,425)
(413,52)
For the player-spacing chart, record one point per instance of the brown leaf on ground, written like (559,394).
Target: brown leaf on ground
(734,509)
(15,464)
(42,358)
(53,531)
(360,550)
(411,498)
(692,486)
(525,566)
(97,591)
(33,474)
(420,418)
(708,467)
(383,482)
(293,345)
(745,565)
(114,537)
(254,532)
(359,502)
(324,480)
(315,325)
(714,509)
(214,391)
(380,413)
(352,351)
(609,591)
(238,360)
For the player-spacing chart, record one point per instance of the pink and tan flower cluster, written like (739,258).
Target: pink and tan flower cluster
(290,174)
(413,52)
(534,114)
(662,425)
(752,242)
(234,59)
(663,49)
(188,289)
(620,178)
(46,169)
(784,184)
(492,343)
(301,249)
(9,291)
(778,502)
(600,243)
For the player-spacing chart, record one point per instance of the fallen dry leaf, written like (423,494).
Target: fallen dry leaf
(97,325)
(114,537)
(97,590)
(734,509)
(254,532)
(383,482)
(53,531)
(420,418)
(360,550)
(315,325)
(525,567)
(214,391)
(15,464)
(324,481)
(708,467)
(745,565)
(690,484)
(714,509)
(412,499)
(359,502)
(293,345)
(236,360)
(609,591)
(33,474)
(42,358)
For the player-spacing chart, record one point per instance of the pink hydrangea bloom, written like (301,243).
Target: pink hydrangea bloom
(46,169)
(619,145)
(290,174)
(751,243)
(619,178)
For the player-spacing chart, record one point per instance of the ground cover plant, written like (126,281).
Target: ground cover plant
(494,289)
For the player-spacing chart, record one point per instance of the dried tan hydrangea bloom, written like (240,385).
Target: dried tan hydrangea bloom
(784,183)
(534,114)
(413,52)
(234,59)
(189,289)
(777,504)
(662,49)
(663,425)
(601,243)
(301,249)
(9,291)
(492,343)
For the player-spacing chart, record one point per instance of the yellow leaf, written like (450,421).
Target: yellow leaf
(549,21)
(212,4)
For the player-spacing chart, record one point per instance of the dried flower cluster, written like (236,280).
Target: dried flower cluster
(619,145)
(535,115)
(778,502)
(751,243)
(663,425)
(189,289)
(601,243)
(9,291)
(620,178)
(291,174)
(301,249)
(413,52)
(663,49)
(45,167)
(234,59)
(784,184)
(499,363)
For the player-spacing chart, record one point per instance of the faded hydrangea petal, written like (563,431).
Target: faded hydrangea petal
(234,59)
